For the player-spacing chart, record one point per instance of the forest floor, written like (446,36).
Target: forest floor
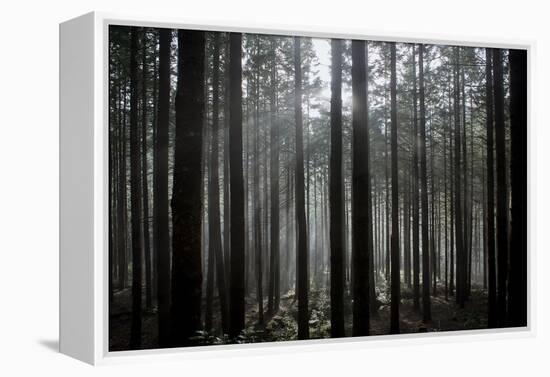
(282,326)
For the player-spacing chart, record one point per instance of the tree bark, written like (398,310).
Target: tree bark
(416,196)
(491,260)
(501,188)
(275,271)
(458,207)
(426,300)
(361,227)
(161,228)
(301,236)
(135,177)
(517,298)
(336,197)
(215,242)
(395,262)
(187,189)
(144,176)
(237,233)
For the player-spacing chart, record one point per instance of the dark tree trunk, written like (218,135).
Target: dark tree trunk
(416,197)
(465,202)
(501,188)
(491,260)
(426,300)
(187,189)
(445,189)
(112,207)
(337,253)
(154,96)
(161,229)
(432,219)
(226,174)
(361,227)
(301,236)
(122,207)
(275,271)
(237,233)
(458,207)
(370,225)
(517,299)
(145,184)
(395,268)
(214,228)
(135,180)
(258,244)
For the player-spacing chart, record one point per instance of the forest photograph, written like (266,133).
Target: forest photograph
(267,188)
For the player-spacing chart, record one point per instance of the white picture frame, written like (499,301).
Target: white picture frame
(83,191)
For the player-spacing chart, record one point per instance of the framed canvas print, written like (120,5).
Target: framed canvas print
(230,188)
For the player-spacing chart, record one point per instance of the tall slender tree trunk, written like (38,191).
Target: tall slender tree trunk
(387,173)
(446,199)
(337,232)
(416,196)
(258,244)
(275,268)
(122,208)
(187,189)
(458,207)
(144,176)
(301,236)
(370,227)
(154,96)
(501,188)
(215,242)
(361,227)
(491,260)
(161,226)
(135,181)
(226,174)
(466,196)
(426,300)
(237,233)
(432,217)
(517,297)
(395,262)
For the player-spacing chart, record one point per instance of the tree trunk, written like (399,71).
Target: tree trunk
(336,198)
(215,242)
(501,188)
(226,174)
(301,236)
(432,218)
(145,184)
(395,262)
(237,233)
(275,272)
(123,200)
(161,229)
(491,260)
(517,299)
(426,300)
(135,170)
(187,189)
(362,228)
(416,197)
(258,245)
(458,207)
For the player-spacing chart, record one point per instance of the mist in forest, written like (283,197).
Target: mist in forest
(269,188)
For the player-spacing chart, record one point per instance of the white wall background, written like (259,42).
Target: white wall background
(29,185)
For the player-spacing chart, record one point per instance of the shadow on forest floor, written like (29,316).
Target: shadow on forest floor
(282,326)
